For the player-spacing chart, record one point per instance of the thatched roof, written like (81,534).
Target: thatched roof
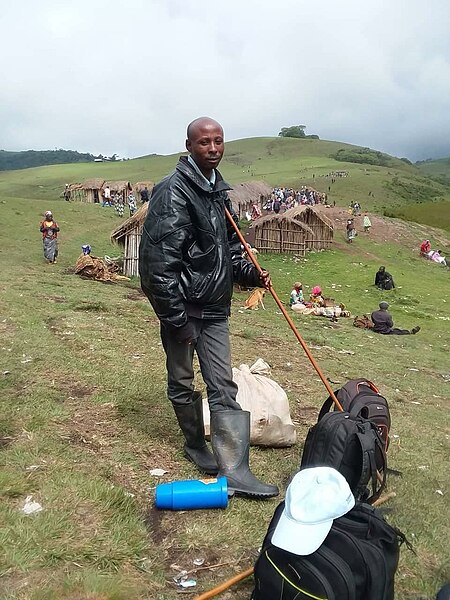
(299,213)
(136,221)
(249,191)
(140,185)
(243,193)
(76,186)
(119,186)
(282,219)
(93,184)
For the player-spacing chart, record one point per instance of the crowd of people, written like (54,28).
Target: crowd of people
(116,199)
(283,198)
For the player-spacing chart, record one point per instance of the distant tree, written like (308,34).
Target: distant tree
(10,161)
(295,131)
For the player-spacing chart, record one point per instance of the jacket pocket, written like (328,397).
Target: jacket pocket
(199,273)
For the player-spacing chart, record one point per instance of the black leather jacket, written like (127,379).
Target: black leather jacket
(189,254)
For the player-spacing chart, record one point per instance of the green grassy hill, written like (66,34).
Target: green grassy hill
(439,168)
(36,158)
(278,161)
(84,415)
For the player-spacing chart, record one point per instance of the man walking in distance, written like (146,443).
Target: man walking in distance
(189,257)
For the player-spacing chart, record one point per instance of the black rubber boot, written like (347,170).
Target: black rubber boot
(230,439)
(190,419)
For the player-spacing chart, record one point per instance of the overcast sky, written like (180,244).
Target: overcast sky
(109,76)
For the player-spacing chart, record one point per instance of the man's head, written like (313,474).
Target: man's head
(48,214)
(384,305)
(205,144)
(382,269)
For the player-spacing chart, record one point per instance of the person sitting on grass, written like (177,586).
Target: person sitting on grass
(316,296)
(437,257)
(296,294)
(384,280)
(383,323)
(425,247)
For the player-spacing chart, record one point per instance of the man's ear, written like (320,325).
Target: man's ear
(188,145)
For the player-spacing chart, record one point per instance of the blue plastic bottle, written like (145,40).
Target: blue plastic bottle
(192,494)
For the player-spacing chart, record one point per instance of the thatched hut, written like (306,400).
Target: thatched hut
(128,236)
(120,187)
(280,233)
(318,223)
(76,192)
(89,191)
(244,195)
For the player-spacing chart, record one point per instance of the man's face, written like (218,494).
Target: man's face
(206,145)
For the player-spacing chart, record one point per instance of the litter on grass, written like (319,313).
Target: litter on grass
(30,507)
(157,472)
(187,583)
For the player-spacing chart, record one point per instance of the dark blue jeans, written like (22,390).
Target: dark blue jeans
(212,345)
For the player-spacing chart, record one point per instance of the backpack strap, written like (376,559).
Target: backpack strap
(326,406)
(369,464)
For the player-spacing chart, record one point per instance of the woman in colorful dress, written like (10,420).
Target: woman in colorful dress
(49,229)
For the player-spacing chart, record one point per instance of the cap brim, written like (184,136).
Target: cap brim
(300,538)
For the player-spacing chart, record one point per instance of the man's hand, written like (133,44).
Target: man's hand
(184,334)
(265,279)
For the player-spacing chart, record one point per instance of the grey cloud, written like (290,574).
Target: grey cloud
(113,77)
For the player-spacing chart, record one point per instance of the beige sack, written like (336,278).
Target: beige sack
(270,421)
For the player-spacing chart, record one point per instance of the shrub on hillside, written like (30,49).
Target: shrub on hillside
(363,156)
(413,191)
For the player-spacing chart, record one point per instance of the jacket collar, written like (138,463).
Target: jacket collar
(188,170)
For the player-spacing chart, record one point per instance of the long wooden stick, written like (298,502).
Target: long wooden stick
(225,585)
(382,499)
(285,314)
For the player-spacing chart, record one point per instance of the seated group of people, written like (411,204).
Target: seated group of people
(434,255)
(297,296)
(317,304)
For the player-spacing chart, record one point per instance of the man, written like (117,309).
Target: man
(67,193)
(384,280)
(106,196)
(189,257)
(382,323)
(144,195)
(351,231)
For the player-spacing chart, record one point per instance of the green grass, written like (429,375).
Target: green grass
(84,416)
(278,161)
(435,214)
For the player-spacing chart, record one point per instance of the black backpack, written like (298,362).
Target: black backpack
(361,398)
(357,561)
(352,446)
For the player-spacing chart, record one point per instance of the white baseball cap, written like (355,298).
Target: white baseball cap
(314,498)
